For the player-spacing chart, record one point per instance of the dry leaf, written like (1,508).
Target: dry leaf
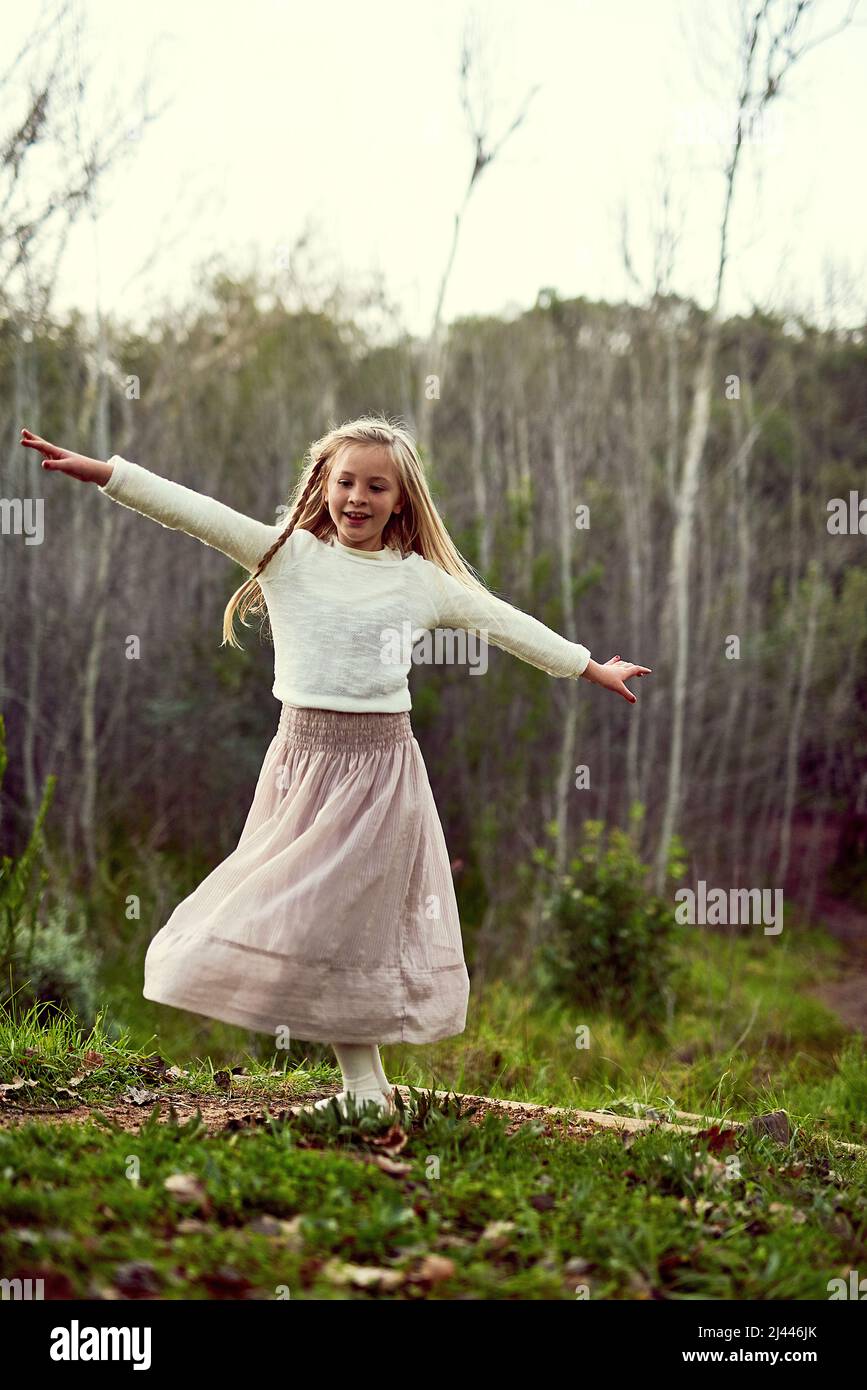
(497,1233)
(136,1096)
(434,1269)
(278,1228)
(187,1186)
(391,1166)
(363,1276)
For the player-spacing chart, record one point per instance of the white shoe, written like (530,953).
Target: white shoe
(384,1100)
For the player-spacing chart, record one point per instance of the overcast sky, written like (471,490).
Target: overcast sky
(344,118)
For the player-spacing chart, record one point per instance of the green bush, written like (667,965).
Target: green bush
(58,968)
(21,885)
(608,943)
(41,957)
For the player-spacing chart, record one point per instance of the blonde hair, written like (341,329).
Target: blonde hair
(417,526)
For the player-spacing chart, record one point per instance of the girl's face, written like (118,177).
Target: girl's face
(363,484)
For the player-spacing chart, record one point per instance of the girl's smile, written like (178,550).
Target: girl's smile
(363,494)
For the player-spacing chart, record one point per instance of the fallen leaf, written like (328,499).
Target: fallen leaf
(718,1139)
(392,1141)
(136,1096)
(390,1166)
(434,1269)
(497,1233)
(278,1228)
(543,1201)
(226,1282)
(136,1279)
(363,1276)
(186,1186)
(24,1234)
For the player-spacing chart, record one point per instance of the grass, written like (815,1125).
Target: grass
(455,1202)
(442,1208)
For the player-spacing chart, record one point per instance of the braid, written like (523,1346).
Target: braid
(250,598)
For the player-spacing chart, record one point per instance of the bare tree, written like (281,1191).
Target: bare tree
(34,226)
(484,154)
(759,35)
(45,91)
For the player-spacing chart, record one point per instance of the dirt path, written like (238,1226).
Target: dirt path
(242,1108)
(238,1111)
(846,994)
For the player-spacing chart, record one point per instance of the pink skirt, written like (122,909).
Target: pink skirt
(335,918)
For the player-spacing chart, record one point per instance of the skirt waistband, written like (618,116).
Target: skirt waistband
(343,730)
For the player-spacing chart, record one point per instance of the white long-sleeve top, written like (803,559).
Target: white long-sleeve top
(345,621)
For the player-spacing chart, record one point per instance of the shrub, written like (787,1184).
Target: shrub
(58,968)
(41,958)
(21,886)
(609,943)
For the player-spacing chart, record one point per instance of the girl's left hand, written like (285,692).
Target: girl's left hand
(613,673)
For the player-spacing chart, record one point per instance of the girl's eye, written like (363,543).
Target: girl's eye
(344,482)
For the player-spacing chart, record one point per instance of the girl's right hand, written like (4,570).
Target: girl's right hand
(86,470)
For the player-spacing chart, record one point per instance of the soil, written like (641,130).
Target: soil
(241,1111)
(846,993)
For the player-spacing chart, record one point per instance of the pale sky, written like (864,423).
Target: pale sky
(344,118)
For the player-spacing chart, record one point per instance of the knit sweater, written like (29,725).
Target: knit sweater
(345,621)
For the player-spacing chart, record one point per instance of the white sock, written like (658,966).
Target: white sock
(377,1067)
(363,1077)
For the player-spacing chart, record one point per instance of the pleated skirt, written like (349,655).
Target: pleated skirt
(335,918)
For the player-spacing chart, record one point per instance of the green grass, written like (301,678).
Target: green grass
(531,1215)
(456,1206)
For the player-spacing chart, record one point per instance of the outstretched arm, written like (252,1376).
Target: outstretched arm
(180,508)
(522,635)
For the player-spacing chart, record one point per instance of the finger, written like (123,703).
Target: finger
(50,450)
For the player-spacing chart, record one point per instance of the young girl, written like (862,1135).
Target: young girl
(335,917)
